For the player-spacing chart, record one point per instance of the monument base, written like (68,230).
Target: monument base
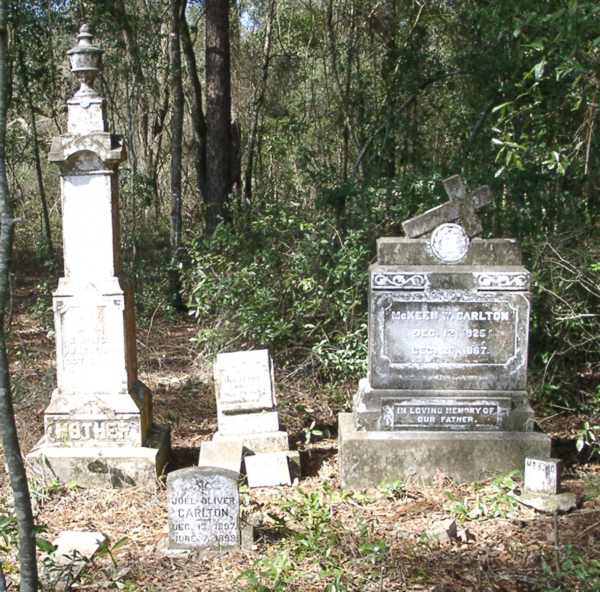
(103,466)
(255,443)
(366,459)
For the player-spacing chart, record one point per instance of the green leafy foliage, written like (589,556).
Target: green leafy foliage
(493,500)
(565,322)
(286,280)
(575,571)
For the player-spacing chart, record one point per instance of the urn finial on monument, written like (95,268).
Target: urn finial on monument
(86,62)
(87,109)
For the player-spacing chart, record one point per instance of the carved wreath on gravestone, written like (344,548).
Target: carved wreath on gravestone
(448,240)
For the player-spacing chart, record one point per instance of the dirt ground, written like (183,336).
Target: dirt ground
(310,536)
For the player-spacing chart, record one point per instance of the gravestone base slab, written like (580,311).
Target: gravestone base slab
(256,443)
(394,409)
(103,466)
(367,459)
(548,503)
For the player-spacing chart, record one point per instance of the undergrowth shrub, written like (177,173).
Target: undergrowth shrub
(564,348)
(293,276)
(286,282)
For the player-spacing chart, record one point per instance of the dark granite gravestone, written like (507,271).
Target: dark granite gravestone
(203,509)
(448,335)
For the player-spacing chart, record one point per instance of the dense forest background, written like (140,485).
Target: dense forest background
(271,142)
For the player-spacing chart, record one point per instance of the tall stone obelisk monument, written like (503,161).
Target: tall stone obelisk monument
(98,426)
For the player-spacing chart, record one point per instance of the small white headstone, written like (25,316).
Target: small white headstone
(542,475)
(244,381)
(203,508)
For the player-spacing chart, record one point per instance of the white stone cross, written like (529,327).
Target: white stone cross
(462,206)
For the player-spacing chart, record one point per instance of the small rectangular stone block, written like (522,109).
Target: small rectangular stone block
(248,423)
(75,544)
(203,508)
(268,469)
(244,381)
(367,459)
(255,443)
(226,454)
(542,475)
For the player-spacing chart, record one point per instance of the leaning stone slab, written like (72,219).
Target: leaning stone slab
(268,469)
(444,531)
(225,454)
(248,423)
(203,510)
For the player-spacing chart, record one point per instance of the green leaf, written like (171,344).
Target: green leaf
(44,545)
(501,106)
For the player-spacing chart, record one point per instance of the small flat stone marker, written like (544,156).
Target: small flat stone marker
(541,487)
(542,475)
(203,509)
(268,469)
(462,206)
(73,549)
(73,545)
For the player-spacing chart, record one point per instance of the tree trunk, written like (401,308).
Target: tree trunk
(198,120)
(218,114)
(389,74)
(36,153)
(259,99)
(177,9)
(138,91)
(8,428)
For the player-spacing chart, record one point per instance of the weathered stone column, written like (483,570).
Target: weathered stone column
(98,426)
